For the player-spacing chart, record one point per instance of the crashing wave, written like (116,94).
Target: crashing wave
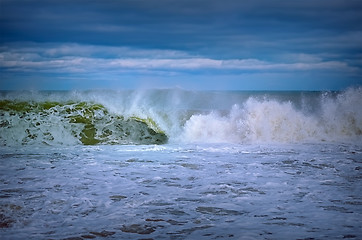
(71,123)
(174,115)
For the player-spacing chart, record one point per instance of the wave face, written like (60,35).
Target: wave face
(175,115)
(71,123)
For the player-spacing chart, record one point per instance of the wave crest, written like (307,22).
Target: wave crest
(159,116)
(268,120)
(72,123)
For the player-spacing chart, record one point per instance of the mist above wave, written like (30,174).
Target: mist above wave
(337,118)
(191,116)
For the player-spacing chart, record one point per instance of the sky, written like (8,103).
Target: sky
(191,44)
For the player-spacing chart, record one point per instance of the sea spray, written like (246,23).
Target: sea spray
(255,121)
(342,115)
(336,117)
(176,115)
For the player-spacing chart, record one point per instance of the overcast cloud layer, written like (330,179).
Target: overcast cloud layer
(202,44)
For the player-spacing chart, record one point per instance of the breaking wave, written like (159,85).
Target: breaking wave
(161,116)
(336,117)
(72,123)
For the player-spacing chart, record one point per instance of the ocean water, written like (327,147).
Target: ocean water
(178,164)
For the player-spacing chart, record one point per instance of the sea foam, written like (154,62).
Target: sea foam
(337,118)
(175,115)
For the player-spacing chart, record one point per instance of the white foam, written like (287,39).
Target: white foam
(339,119)
(342,116)
(218,117)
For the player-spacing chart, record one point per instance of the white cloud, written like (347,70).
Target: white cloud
(69,58)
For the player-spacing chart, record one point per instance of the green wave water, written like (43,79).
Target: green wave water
(71,123)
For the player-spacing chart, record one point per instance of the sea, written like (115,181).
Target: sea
(181,164)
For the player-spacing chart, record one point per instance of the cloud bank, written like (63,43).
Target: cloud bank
(187,42)
(70,58)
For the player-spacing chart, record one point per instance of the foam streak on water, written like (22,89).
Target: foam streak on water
(208,191)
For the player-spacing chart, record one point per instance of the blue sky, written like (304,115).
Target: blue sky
(192,44)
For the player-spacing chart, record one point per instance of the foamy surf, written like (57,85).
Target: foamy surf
(175,164)
(174,115)
(335,118)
